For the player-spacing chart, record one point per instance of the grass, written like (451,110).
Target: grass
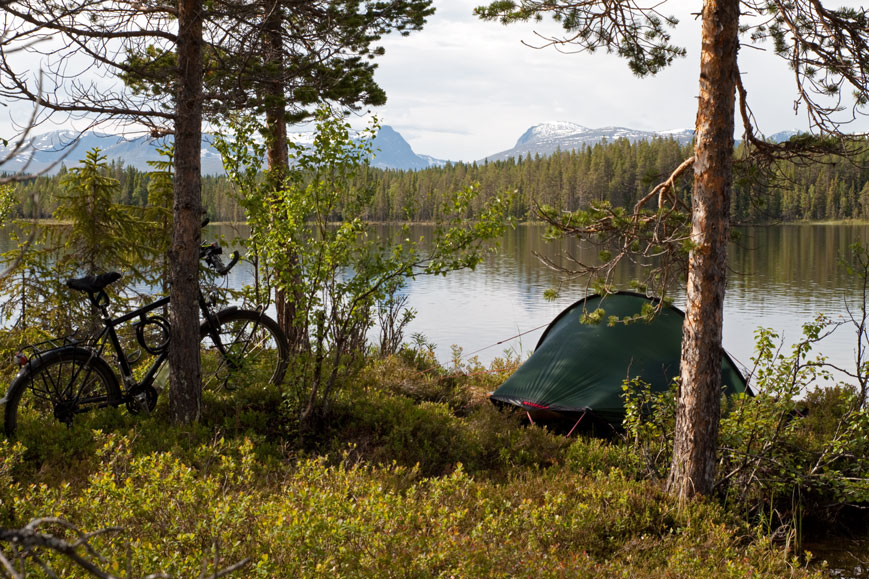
(413,474)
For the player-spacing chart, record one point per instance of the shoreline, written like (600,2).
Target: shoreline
(825,222)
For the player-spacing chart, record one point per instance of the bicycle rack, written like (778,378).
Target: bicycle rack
(33,352)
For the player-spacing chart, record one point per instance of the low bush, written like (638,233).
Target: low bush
(386,428)
(316,517)
(792,453)
(388,485)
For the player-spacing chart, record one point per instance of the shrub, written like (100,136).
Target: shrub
(777,463)
(308,226)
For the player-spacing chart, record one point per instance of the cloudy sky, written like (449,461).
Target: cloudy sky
(462,89)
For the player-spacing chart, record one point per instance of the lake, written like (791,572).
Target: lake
(781,276)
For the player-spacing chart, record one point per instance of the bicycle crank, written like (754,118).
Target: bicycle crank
(143,402)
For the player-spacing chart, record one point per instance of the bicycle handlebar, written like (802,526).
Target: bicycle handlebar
(211,254)
(225,270)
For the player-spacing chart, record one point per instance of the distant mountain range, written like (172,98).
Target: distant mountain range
(60,147)
(391,150)
(548,138)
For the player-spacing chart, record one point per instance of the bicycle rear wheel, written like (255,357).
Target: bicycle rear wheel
(60,383)
(247,348)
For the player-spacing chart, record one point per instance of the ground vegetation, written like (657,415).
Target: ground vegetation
(414,472)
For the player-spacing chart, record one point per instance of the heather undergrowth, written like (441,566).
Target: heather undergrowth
(412,475)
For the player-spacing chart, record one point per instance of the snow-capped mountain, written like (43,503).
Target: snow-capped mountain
(782,136)
(548,138)
(391,150)
(47,151)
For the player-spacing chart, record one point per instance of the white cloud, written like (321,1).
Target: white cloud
(462,89)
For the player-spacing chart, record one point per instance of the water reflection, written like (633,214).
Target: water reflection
(786,275)
(781,276)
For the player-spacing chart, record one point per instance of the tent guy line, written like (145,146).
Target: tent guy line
(508,339)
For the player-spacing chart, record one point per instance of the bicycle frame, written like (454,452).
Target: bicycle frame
(55,370)
(131,386)
(108,334)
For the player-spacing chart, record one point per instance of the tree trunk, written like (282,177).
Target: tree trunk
(275,105)
(277,153)
(698,411)
(185,384)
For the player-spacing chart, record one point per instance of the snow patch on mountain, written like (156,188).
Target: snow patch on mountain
(547,138)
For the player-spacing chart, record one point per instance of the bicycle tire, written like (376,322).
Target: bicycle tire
(254,349)
(61,382)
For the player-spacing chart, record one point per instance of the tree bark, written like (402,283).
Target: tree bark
(185,383)
(698,410)
(276,126)
(275,104)
(277,152)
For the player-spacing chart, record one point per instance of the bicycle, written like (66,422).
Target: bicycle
(68,377)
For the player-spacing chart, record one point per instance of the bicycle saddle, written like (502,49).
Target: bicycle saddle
(93,283)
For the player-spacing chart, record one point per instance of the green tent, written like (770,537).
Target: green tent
(580,367)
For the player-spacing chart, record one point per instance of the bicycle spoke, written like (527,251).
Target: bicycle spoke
(248,350)
(51,384)
(239,356)
(60,385)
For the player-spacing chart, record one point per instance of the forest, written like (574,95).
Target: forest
(620,172)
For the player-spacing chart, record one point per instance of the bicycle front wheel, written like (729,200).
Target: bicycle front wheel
(246,348)
(60,383)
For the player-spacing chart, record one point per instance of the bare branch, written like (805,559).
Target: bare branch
(668,186)
(27,542)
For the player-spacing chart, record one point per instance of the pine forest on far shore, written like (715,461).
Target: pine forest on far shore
(620,172)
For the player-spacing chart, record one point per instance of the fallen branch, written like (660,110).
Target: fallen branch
(27,542)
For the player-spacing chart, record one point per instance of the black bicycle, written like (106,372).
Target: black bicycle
(67,377)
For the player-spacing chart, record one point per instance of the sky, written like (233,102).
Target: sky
(462,89)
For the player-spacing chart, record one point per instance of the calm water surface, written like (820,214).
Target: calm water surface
(781,276)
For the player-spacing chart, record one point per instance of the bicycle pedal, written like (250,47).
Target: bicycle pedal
(141,401)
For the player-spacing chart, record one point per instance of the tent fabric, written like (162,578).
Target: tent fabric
(578,367)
